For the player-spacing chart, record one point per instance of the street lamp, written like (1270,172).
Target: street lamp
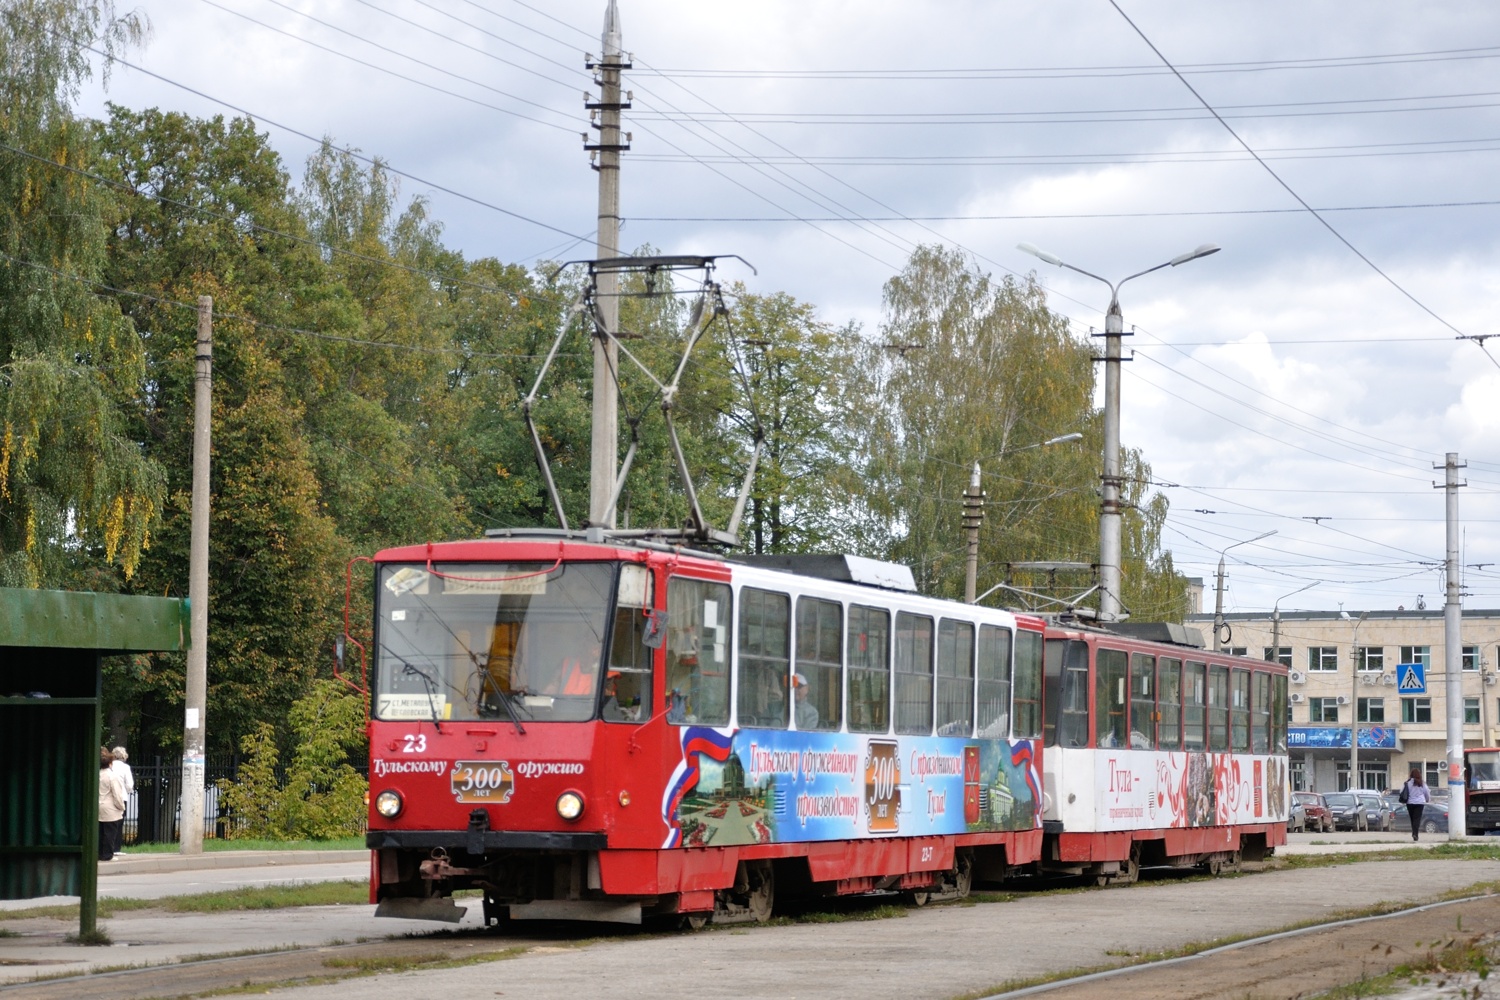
(1109,506)
(1219,589)
(1276,619)
(1354,701)
(974,511)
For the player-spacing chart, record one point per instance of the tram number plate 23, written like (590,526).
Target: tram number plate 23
(486,781)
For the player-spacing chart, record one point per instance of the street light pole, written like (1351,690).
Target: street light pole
(1219,587)
(974,512)
(1276,620)
(1354,703)
(1109,504)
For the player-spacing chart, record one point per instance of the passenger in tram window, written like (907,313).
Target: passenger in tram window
(807,712)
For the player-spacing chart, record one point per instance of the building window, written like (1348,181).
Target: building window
(1235,650)
(1417,654)
(1416,710)
(1279,654)
(1322,710)
(1296,773)
(1322,657)
(1434,772)
(1471,711)
(1471,658)
(1369,658)
(1371,710)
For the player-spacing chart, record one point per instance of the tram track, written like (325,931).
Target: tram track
(1295,962)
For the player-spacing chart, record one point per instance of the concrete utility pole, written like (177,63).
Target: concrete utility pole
(1453,657)
(605,451)
(1110,606)
(1220,640)
(190,830)
(973,518)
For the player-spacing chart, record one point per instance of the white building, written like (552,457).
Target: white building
(1348,670)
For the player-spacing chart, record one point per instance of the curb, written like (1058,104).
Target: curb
(138,864)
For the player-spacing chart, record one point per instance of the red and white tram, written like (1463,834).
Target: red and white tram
(615,730)
(612,731)
(1159,754)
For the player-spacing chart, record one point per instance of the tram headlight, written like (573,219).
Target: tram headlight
(388,804)
(570,805)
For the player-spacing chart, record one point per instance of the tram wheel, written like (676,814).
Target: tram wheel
(963,874)
(919,897)
(695,921)
(762,896)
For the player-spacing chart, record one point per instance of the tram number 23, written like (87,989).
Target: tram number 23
(928,853)
(414,743)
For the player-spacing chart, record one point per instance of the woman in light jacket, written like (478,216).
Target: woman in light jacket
(1416,794)
(111,807)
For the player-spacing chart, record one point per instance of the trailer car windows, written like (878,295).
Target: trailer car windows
(1260,714)
(869,670)
(1218,708)
(913,674)
(1110,683)
(1194,697)
(955,678)
(993,720)
(1028,691)
(765,656)
(1142,702)
(698,614)
(820,633)
(1239,711)
(1169,702)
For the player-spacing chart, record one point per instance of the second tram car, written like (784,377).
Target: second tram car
(1159,754)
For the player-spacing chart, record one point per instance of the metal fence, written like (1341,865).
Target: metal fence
(153,812)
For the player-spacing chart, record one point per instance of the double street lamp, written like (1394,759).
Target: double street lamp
(1109,509)
(974,510)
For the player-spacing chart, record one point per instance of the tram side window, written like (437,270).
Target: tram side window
(820,632)
(1194,697)
(1169,702)
(913,674)
(698,652)
(1260,715)
(869,670)
(1278,714)
(626,692)
(1028,690)
(955,678)
(993,720)
(1239,711)
(1066,696)
(1218,708)
(765,641)
(1110,681)
(1142,702)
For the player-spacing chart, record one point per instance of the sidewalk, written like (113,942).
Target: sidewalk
(137,864)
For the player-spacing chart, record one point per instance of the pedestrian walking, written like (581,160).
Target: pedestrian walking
(1415,794)
(127,781)
(111,806)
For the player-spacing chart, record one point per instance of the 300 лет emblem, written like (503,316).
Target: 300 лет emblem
(487,781)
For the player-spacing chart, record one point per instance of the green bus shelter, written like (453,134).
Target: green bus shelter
(52,644)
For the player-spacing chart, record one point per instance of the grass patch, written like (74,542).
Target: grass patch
(97,936)
(1484,851)
(217,844)
(271,897)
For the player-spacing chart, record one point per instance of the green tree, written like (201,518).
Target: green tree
(75,491)
(977,370)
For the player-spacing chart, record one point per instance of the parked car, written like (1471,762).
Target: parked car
(1378,812)
(1434,817)
(1316,810)
(1296,817)
(1347,811)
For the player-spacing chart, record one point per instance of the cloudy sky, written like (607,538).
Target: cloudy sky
(1311,370)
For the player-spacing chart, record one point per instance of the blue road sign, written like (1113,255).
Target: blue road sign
(1411,678)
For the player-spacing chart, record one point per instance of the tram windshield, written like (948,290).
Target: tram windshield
(509,641)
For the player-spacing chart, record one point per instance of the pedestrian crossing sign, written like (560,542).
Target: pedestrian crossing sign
(1411,678)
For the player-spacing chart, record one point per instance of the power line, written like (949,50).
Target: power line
(353,153)
(1278,179)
